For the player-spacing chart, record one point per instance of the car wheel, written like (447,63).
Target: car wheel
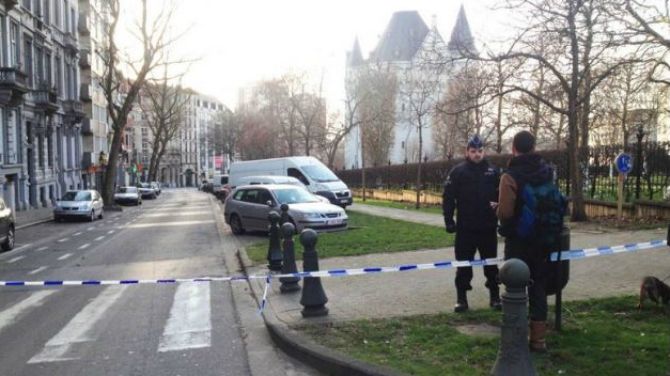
(57,218)
(100,216)
(236,225)
(91,218)
(8,244)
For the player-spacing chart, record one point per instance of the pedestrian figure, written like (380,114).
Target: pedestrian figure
(472,190)
(531,209)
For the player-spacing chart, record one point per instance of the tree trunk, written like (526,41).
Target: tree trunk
(110,171)
(418,173)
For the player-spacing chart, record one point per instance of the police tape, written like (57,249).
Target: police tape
(449,264)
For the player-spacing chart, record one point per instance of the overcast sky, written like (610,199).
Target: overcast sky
(241,42)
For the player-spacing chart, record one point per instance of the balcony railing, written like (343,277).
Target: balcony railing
(46,100)
(74,110)
(10,4)
(86,127)
(84,59)
(85,92)
(12,86)
(70,42)
(83,24)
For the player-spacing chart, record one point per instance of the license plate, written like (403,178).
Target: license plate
(334,221)
(344,201)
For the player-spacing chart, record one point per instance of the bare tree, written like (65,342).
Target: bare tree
(164,111)
(589,54)
(421,88)
(121,93)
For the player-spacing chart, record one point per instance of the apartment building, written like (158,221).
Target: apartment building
(40,110)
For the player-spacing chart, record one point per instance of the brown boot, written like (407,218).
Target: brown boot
(538,330)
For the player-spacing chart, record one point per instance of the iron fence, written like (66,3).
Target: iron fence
(596,165)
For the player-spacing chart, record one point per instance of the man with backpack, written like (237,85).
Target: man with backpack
(531,209)
(471,190)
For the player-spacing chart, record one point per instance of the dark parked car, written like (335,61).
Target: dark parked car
(7,225)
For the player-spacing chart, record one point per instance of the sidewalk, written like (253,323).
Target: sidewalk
(30,217)
(432,291)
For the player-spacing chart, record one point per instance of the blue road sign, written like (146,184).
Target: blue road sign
(624,163)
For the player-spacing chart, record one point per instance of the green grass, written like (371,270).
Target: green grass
(368,234)
(400,205)
(599,337)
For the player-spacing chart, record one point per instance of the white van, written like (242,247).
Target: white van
(310,171)
(220,186)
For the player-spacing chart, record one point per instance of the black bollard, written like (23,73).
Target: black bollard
(313,297)
(284,214)
(274,249)
(289,284)
(667,239)
(561,278)
(513,354)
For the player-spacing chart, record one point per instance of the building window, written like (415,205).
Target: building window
(59,76)
(47,69)
(26,4)
(47,12)
(57,13)
(28,61)
(14,54)
(40,151)
(39,69)
(73,21)
(50,151)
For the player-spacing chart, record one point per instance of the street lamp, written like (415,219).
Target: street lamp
(640,135)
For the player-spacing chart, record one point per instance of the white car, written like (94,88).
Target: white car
(79,204)
(128,195)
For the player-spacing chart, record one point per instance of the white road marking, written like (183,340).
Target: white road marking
(21,247)
(15,259)
(10,315)
(76,234)
(84,246)
(64,256)
(91,228)
(41,268)
(42,248)
(110,232)
(173,214)
(80,329)
(99,238)
(189,325)
(63,240)
(163,224)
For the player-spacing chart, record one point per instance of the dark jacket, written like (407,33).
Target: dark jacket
(470,188)
(522,169)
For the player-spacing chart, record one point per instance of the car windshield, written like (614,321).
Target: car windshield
(319,173)
(145,185)
(76,196)
(127,190)
(294,196)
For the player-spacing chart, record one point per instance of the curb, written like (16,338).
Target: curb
(19,227)
(321,358)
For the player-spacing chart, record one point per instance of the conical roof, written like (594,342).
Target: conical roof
(461,37)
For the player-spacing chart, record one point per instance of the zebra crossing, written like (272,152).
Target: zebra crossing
(188,326)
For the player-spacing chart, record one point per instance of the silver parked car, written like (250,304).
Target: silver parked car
(128,195)
(276,179)
(247,208)
(79,204)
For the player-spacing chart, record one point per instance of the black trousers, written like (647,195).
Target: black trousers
(467,244)
(538,263)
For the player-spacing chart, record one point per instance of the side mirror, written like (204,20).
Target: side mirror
(270,203)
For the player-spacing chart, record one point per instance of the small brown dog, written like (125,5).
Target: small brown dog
(655,290)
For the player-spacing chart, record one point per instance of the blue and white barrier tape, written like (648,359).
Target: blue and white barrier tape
(265,295)
(606,250)
(565,255)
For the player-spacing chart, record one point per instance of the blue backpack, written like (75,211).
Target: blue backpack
(540,220)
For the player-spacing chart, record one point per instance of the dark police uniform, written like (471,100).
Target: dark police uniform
(470,188)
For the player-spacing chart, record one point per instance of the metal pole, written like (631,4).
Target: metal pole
(640,135)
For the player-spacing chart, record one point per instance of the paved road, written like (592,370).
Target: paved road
(185,329)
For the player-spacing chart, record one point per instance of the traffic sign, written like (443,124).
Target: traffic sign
(624,163)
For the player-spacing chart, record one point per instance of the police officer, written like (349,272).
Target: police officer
(472,190)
